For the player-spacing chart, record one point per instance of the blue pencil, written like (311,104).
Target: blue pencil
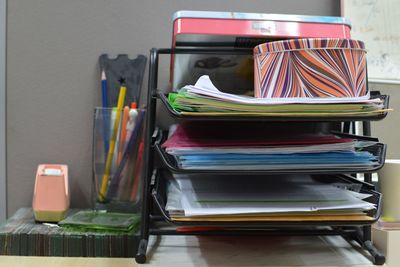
(106,113)
(104,89)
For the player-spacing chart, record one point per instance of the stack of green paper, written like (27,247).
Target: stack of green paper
(189,103)
(91,220)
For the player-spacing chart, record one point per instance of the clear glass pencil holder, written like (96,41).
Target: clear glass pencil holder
(118,151)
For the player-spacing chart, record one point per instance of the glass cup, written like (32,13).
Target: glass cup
(118,150)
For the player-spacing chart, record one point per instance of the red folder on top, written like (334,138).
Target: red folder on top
(186,136)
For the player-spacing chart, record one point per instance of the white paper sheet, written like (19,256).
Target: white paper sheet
(234,195)
(205,87)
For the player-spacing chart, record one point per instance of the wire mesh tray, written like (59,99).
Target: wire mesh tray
(378,150)
(159,198)
(179,116)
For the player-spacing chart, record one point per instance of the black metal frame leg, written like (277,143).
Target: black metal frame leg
(149,158)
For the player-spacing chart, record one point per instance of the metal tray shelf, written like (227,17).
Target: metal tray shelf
(180,117)
(378,150)
(159,197)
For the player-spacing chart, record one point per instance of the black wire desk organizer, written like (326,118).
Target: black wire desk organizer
(155,217)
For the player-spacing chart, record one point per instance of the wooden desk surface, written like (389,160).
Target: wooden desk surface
(19,261)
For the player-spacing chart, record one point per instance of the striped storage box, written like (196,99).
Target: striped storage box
(316,67)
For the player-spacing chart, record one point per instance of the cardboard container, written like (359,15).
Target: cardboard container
(313,67)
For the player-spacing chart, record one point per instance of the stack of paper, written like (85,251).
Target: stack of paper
(205,99)
(230,198)
(196,149)
(21,235)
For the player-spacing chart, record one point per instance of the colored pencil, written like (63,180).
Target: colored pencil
(123,133)
(131,121)
(104,182)
(104,96)
(105,114)
(137,172)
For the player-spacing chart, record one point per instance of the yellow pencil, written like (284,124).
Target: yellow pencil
(104,183)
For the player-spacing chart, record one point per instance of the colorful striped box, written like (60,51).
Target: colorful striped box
(314,67)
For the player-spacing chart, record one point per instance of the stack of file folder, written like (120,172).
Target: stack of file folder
(204,99)
(259,198)
(21,235)
(197,148)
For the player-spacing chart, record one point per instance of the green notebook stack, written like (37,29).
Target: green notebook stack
(83,234)
(188,101)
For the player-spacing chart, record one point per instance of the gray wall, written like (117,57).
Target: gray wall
(388,130)
(53,76)
(3,193)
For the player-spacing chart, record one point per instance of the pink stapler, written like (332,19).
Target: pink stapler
(51,197)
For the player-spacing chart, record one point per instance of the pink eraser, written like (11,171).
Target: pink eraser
(51,194)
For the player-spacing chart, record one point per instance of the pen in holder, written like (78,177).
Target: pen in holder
(117,172)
